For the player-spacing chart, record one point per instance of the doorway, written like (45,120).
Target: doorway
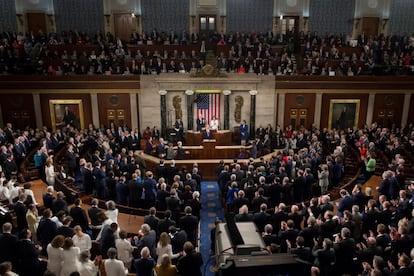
(290,25)
(116,117)
(124,24)
(298,117)
(207,25)
(36,22)
(370,26)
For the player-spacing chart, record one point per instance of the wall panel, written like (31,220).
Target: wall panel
(388,103)
(297,102)
(115,102)
(18,109)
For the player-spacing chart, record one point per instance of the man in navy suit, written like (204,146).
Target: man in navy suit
(345,203)
(201,122)
(8,245)
(189,223)
(207,133)
(47,229)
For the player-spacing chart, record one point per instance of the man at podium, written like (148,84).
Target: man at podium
(207,133)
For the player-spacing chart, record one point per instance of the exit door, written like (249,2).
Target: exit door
(207,24)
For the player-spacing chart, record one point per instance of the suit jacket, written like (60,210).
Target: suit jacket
(71,159)
(87,180)
(46,231)
(178,240)
(48,200)
(152,221)
(344,251)
(261,219)
(189,223)
(207,134)
(29,258)
(164,224)
(8,248)
(79,217)
(149,241)
(107,240)
(20,210)
(93,215)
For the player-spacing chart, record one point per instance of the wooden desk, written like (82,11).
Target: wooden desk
(222,137)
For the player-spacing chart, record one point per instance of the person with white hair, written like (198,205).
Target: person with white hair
(243,214)
(145,264)
(112,265)
(146,238)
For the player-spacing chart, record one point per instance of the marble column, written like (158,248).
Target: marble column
(406,109)
(134,110)
(318,110)
(163,99)
(370,108)
(253,94)
(226,94)
(95,111)
(38,110)
(281,110)
(190,109)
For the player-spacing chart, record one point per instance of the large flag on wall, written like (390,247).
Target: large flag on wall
(208,105)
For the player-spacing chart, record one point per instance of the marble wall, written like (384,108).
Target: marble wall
(176,84)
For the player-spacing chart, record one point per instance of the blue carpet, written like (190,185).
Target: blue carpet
(211,208)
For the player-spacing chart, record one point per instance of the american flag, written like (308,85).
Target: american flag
(208,105)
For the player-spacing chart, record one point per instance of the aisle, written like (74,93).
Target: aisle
(211,208)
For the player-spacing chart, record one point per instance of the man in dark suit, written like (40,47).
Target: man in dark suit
(70,157)
(29,256)
(207,133)
(344,250)
(107,238)
(258,200)
(93,212)
(287,234)
(152,220)
(189,223)
(8,245)
(79,215)
(147,239)
(59,204)
(165,223)
(48,198)
(87,178)
(99,180)
(47,229)
(261,218)
(201,123)
(134,192)
(345,203)
(161,170)
(162,194)
(20,210)
(178,238)
(303,253)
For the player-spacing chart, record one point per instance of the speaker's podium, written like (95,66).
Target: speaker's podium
(222,137)
(209,148)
